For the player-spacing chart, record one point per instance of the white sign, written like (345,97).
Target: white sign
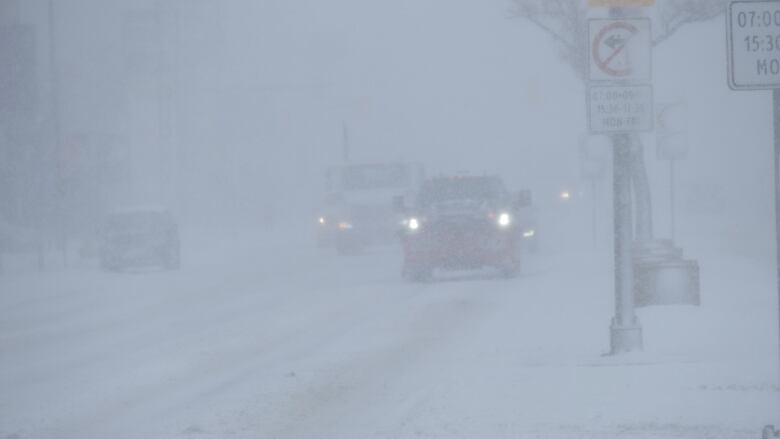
(754,45)
(620,50)
(615,109)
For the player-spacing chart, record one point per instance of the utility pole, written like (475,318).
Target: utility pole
(595,212)
(345,141)
(672,201)
(61,190)
(776,116)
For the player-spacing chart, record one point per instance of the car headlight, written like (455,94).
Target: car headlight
(504,219)
(529,233)
(413,224)
(322,221)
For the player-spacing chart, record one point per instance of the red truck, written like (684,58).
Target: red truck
(463,222)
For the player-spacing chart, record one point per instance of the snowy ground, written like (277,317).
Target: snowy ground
(266,337)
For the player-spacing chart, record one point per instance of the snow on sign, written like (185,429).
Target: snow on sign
(620,50)
(615,109)
(754,45)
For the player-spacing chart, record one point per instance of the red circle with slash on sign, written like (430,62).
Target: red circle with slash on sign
(609,44)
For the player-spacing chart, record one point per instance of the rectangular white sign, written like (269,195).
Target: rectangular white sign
(615,109)
(754,45)
(620,50)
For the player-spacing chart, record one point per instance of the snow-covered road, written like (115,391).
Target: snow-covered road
(265,337)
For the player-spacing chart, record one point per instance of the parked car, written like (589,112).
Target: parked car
(138,237)
(463,222)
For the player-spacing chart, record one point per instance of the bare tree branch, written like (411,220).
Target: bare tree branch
(673,14)
(566,22)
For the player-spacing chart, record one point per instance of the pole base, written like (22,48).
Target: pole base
(625,338)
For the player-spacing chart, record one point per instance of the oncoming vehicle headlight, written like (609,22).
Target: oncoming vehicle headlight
(504,220)
(413,224)
(322,221)
(529,233)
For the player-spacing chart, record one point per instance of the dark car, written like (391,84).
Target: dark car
(138,238)
(463,222)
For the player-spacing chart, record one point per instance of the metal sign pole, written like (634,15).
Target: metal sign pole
(609,39)
(626,334)
(594,203)
(625,331)
(776,109)
(672,201)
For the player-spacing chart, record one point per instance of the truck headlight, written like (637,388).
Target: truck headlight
(504,220)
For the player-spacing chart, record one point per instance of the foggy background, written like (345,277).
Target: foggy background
(229,111)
